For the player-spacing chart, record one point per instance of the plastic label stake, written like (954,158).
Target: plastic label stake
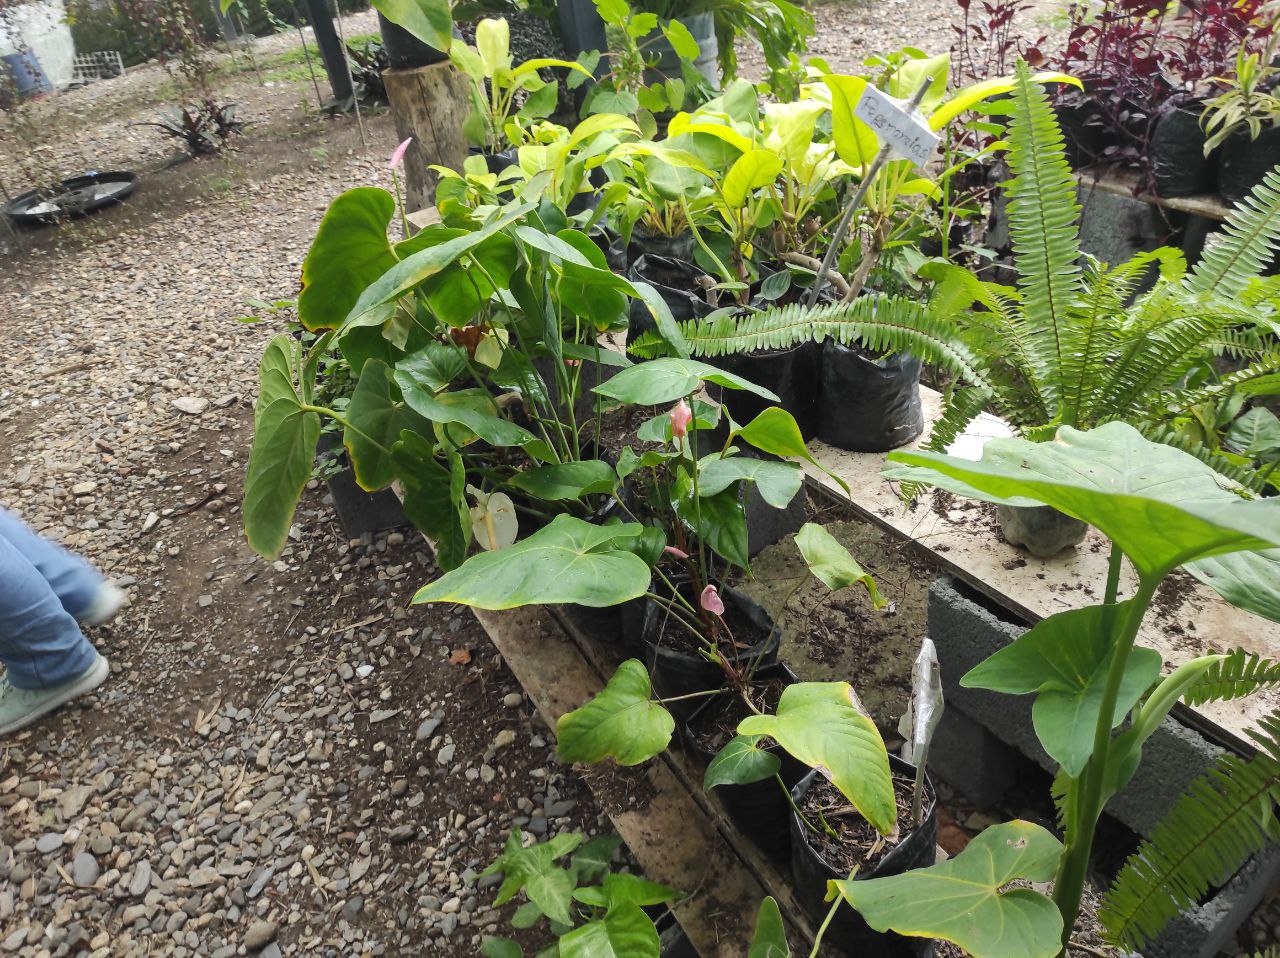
(898,125)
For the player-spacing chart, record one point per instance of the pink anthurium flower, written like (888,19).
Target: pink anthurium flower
(681,416)
(711,601)
(397,158)
(678,553)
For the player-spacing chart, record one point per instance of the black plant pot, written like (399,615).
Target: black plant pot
(404,50)
(1084,137)
(673,247)
(811,872)
(792,374)
(496,162)
(618,626)
(1244,162)
(676,282)
(868,404)
(359,512)
(759,810)
(1176,152)
(1041,530)
(676,673)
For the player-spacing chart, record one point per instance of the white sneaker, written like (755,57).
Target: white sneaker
(20,707)
(106,604)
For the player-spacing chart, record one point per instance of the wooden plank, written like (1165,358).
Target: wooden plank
(1188,619)
(419,220)
(1123,182)
(672,836)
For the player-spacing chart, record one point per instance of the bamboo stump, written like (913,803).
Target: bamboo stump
(429,104)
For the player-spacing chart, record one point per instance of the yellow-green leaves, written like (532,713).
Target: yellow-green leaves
(832,563)
(752,170)
(621,722)
(962,900)
(821,725)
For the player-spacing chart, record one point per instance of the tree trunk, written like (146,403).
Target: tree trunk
(429,104)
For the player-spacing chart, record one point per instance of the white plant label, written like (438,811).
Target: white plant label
(908,134)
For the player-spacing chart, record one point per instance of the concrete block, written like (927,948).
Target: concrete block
(1208,929)
(969,758)
(1114,228)
(966,632)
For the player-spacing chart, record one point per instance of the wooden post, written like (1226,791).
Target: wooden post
(429,104)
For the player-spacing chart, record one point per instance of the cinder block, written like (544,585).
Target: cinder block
(969,758)
(1113,228)
(966,633)
(1209,929)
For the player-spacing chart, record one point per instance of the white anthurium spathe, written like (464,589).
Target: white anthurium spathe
(493,519)
(926,711)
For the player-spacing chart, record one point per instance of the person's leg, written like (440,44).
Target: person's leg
(78,586)
(49,660)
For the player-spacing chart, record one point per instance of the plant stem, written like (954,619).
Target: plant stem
(1088,799)
(792,802)
(831,913)
(693,695)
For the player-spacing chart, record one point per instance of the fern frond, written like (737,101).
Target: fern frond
(1241,673)
(1247,478)
(1248,240)
(1260,378)
(1044,229)
(958,410)
(650,345)
(880,323)
(1224,817)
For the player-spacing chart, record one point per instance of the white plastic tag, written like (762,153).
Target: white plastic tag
(908,134)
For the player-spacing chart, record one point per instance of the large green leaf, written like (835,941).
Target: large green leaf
(421,266)
(1161,506)
(1248,580)
(821,725)
(625,932)
(776,432)
(1065,659)
(666,380)
(434,366)
(720,521)
(778,482)
(434,497)
(832,563)
(752,170)
(856,143)
(770,939)
(621,721)
(561,481)
(962,900)
(624,888)
(451,407)
(431,21)
(742,761)
(593,860)
(374,423)
(568,561)
(284,448)
(533,870)
(350,251)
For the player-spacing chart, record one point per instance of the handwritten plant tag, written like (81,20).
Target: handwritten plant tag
(908,134)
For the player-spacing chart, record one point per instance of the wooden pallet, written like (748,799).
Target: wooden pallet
(1123,182)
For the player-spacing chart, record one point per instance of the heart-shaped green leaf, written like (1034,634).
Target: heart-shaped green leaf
(625,932)
(742,761)
(666,380)
(434,497)
(620,721)
(431,21)
(770,939)
(625,889)
(350,252)
(533,870)
(461,406)
(1065,659)
(374,423)
(832,563)
(821,725)
(778,482)
(1159,505)
(720,521)
(593,860)
(284,448)
(1248,580)
(568,561)
(961,901)
(561,481)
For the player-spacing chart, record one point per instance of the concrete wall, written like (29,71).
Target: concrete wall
(41,27)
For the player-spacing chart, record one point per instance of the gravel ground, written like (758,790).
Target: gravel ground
(286,760)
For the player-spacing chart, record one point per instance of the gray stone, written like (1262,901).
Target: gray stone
(352,908)
(141,879)
(427,729)
(259,934)
(49,842)
(84,869)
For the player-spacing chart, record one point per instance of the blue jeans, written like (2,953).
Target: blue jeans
(43,587)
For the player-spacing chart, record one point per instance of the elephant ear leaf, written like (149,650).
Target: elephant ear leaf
(770,939)
(621,722)
(285,434)
(349,252)
(964,901)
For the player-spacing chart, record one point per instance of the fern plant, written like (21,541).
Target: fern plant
(1069,344)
